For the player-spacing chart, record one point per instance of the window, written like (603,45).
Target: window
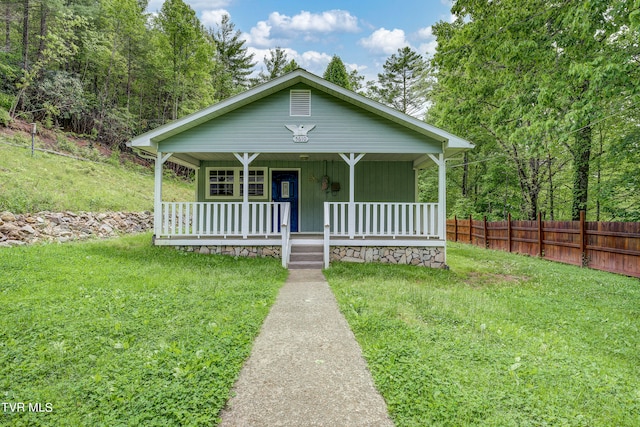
(300,103)
(256,182)
(227,183)
(221,182)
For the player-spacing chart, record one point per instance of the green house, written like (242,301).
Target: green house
(300,162)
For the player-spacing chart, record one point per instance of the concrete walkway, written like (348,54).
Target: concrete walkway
(306,368)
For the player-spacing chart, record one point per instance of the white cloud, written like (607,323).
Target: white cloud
(325,22)
(213,18)
(280,28)
(429,42)
(313,60)
(260,35)
(385,41)
(356,67)
(426,33)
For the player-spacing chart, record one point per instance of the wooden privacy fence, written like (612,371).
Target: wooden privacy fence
(608,246)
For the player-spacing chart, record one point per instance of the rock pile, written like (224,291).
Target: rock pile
(43,227)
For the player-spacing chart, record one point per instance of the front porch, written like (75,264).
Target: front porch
(267,224)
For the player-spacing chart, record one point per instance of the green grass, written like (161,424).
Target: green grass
(122,333)
(500,340)
(55,183)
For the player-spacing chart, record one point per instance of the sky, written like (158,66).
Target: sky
(362,33)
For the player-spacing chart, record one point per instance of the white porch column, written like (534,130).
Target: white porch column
(442,195)
(245,159)
(157,193)
(351,161)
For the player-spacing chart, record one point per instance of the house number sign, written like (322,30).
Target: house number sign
(300,132)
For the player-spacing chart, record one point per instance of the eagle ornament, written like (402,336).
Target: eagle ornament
(300,132)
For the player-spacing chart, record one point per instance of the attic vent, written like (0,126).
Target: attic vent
(300,104)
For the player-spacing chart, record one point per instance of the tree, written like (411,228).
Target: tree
(336,73)
(277,64)
(189,55)
(234,64)
(356,81)
(291,66)
(403,83)
(530,79)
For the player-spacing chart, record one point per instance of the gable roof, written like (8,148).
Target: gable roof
(149,140)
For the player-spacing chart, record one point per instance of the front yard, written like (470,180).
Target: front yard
(500,340)
(118,332)
(122,333)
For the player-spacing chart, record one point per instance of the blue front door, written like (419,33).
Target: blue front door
(284,188)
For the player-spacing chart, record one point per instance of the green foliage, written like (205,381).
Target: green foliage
(55,183)
(336,73)
(6,101)
(106,67)
(124,333)
(187,55)
(403,85)
(5,118)
(234,63)
(277,64)
(531,84)
(499,340)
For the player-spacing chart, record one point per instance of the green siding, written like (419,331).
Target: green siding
(375,182)
(260,127)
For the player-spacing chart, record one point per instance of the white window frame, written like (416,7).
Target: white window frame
(237,192)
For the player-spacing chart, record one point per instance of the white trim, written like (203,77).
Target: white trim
(161,158)
(442,198)
(209,241)
(352,160)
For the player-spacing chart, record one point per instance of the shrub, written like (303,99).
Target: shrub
(5,118)
(6,101)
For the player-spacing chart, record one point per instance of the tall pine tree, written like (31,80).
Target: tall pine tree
(233,63)
(403,83)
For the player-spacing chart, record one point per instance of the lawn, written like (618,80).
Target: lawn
(500,340)
(47,182)
(118,332)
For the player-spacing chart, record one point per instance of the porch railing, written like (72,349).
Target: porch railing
(221,219)
(381,219)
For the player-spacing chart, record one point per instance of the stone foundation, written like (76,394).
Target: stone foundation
(243,251)
(420,256)
(47,227)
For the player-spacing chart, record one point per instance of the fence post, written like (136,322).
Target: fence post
(471,229)
(540,250)
(509,230)
(486,234)
(583,240)
(455,228)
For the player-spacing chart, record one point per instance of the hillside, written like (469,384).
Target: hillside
(107,181)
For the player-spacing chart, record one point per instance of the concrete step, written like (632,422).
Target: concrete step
(298,265)
(295,248)
(306,256)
